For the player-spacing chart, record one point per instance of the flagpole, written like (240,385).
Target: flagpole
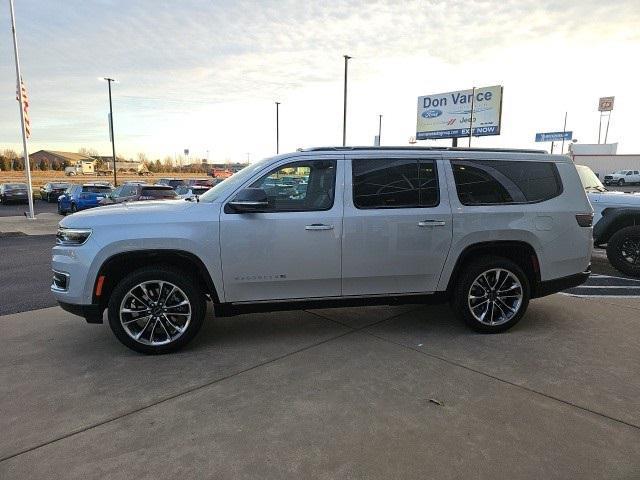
(27,167)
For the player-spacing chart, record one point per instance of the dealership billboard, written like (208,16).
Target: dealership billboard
(448,115)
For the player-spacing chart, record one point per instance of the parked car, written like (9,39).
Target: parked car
(14,193)
(172,182)
(190,192)
(616,222)
(204,182)
(82,197)
(135,193)
(623,177)
(50,191)
(486,229)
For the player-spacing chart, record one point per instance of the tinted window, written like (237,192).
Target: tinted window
(156,192)
(96,189)
(481,182)
(300,186)
(394,183)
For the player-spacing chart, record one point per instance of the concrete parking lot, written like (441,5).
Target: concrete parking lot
(379,392)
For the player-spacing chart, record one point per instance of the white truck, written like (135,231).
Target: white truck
(81,167)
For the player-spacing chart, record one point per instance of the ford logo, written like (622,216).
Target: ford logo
(431,113)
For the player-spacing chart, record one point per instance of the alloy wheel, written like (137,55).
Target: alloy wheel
(630,250)
(495,296)
(155,312)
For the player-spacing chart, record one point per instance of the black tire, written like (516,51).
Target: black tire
(460,301)
(623,250)
(180,279)
(74,208)
(621,182)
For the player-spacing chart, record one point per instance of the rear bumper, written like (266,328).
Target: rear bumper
(558,284)
(91,313)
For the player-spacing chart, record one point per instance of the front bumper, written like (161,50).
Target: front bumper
(556,285)
(91,313)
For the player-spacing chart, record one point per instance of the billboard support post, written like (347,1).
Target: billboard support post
(564,129)
(605,104)
(473,98)
(606,132)
(454,142)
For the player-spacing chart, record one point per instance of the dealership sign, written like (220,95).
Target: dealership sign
(605,104)
(448,115)
(553,136)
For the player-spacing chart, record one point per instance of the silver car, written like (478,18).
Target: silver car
(486,229)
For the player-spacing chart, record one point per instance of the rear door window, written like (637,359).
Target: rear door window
(488,182)
(156,192)
(394,183)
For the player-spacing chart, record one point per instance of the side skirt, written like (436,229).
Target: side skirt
(232,309)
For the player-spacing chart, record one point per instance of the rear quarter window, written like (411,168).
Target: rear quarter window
(158,192)
(491,182)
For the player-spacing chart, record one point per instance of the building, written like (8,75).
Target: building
(62,159)
(602,158)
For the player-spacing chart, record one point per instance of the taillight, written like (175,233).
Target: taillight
(584,219)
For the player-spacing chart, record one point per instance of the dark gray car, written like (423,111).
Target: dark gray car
(13,193)
(136,193)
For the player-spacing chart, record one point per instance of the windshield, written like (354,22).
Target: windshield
(234,180)
(589,179)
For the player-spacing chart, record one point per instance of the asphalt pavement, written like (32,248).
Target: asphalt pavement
(25,263)
(18,209)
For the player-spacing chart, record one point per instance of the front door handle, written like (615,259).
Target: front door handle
(432,223)
(318,226)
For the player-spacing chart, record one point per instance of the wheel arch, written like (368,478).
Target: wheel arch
(614,219)
(520,252)
(116,266)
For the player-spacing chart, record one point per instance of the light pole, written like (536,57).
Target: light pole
(344,117)
(379,130)
(277,128)
(113,139)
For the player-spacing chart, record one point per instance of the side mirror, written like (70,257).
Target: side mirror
(250,200)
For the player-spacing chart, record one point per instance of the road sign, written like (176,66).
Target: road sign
(605,104)
(553,136)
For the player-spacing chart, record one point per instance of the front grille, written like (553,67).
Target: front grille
(608,177)
(60,281)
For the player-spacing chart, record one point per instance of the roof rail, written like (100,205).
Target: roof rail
(410,148)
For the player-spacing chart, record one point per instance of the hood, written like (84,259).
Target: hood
(129,213)
(615,198)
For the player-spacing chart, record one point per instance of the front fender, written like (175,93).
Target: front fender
(611,220)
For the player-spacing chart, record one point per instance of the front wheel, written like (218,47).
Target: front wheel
(491,294)
(623,250)
(621,182)
(156,310)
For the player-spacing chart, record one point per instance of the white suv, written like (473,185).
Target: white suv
(486,229)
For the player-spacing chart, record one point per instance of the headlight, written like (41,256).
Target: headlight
(72,236)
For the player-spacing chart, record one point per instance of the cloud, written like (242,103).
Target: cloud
(177,58)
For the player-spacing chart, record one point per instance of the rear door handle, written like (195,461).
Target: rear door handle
(318,226)
(432,223)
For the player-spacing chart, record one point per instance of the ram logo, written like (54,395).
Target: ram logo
(432,113)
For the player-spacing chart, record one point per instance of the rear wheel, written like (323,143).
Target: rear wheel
(156,310)
(491,295)
(623,250)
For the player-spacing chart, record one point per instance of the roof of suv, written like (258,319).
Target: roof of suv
(421,148)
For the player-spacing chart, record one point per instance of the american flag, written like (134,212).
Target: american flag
(25,107)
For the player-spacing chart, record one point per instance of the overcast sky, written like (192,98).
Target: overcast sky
(204,75)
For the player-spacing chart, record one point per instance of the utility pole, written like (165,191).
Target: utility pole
(277,128)
(344,116)
(27,166)
(112,135)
